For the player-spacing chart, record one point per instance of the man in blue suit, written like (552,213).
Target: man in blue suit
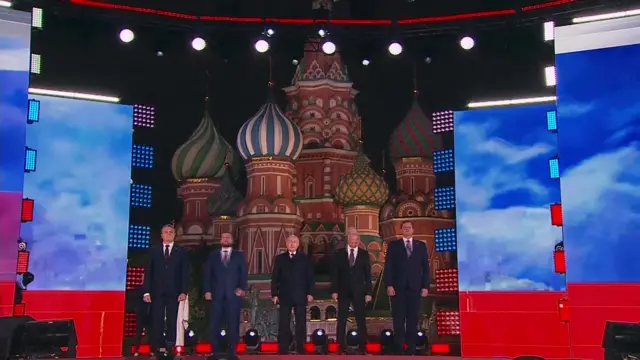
(166,283)
(225,283)
(407,275)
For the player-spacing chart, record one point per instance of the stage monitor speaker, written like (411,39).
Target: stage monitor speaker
(9,327)
(46,339)
(621,340)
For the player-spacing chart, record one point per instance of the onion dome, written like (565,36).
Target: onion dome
(204,155)
(362,186)
(414,137)
(225,200)
(269,133)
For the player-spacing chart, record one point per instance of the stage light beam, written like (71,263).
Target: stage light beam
(329,48)
(198,44)
(467,43)
(262,46)
(395,49)
(127,36)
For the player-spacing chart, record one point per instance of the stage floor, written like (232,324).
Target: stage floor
(312,357)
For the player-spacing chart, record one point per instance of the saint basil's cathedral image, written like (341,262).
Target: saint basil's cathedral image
(307,175)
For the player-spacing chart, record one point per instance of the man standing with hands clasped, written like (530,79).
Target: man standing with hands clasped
(225,283)
(351,284)
(407,275)
(291,286)
(166,283)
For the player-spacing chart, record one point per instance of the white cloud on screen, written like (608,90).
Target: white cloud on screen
(501,248)
(82,184)
(15,53)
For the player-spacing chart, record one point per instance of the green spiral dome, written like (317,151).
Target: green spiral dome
(361,186)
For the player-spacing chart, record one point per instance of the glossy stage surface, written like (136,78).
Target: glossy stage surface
(312,357)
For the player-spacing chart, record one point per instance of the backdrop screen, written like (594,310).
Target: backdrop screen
(503,192)
(598,137)
(78,237)
(15,34)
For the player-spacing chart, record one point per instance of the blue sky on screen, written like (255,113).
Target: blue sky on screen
(599,134)
(503,190)
(78,239)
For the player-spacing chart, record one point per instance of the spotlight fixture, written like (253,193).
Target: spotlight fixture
(320,341)
(549,29)
(386,342)
(550,76)
(395,48)
(467,43)
(329,47)
(126,36)
(262,46)
(223,340)
(421,342)
(252,341)
(366,62)
(294,62)
(322,33)
(198,44)
(352,341)
(269,32)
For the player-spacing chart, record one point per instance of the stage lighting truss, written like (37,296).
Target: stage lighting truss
(142,156)
(23,262)
(26,211)
(36,18)
(36,63)
(442,121)
(445,198)
(554,168)
(33,113)
(130,320)
(447,280)
(135,276)
(552,121)
(445,239)
(144,116)
(141,195)
(448,323)
(139,236)
(443,161)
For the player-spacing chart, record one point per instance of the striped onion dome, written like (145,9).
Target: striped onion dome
(204,155)
(225,200)
(269,133)
(414,137)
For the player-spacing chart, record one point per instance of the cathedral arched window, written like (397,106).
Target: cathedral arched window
(413,186)
(314,313)
(331,313)
(263,185)
(198,208)
(356,222)
(310,189)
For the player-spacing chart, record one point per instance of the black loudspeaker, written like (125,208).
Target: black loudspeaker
(45,339)
(9,327)
(621,340)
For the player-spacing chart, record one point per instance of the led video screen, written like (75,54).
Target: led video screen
(15,34)
(503,193)
(79,235)
(599,148)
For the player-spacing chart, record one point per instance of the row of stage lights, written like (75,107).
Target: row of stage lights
(328,47)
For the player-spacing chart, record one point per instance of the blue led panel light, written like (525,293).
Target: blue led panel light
(445,198)
(139,236)
(552,121)
(554,169)
(141,195)
(142,156)
(443,161)
(33,114)
(445,240)
(30,159)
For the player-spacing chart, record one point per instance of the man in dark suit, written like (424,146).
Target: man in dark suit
(407,276)
(166,283)
(351,284)
(225,283)
(292,284)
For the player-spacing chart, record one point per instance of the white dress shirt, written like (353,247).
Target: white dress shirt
(355,252)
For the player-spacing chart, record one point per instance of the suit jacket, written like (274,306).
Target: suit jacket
(222,281)
(167,276)
(407,273)
(292,279)
(354,280)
